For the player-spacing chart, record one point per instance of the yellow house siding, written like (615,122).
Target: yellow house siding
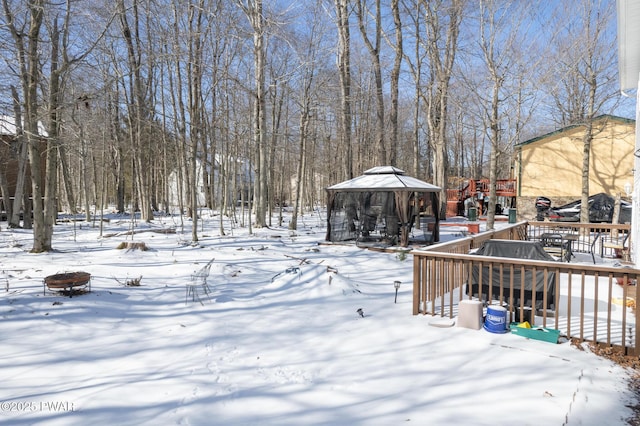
(552,166)
(612,160)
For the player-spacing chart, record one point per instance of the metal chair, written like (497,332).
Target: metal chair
(592,247)
(614,244)
(199,282)
(555,245)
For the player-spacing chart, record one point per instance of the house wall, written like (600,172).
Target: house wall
(552,166)
(244,179)
(9,164)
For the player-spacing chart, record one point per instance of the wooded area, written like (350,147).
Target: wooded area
(245,106)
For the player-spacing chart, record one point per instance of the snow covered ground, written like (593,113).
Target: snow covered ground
(280,342)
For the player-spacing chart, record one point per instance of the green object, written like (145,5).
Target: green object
(537,333)
(473,214)
(512,215)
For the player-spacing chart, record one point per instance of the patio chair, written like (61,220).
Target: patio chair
(592,247)
(557,246)
(199,282)
(617,245)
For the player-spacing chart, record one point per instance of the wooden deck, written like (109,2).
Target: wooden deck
(455,196)
(590,302)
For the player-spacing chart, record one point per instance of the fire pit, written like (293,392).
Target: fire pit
(67,282)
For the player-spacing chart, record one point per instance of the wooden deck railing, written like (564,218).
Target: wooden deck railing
(590,302)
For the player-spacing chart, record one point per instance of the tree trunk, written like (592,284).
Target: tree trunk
(395,81)
(586,156)
(29,60)
(253,11)
(304,128)
(138,111)
(23,156)
(442,58)
(344,69)
(374,52)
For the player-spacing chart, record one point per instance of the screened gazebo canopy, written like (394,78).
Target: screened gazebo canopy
(382,204)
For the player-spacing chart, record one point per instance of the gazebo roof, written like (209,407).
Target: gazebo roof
(384,178)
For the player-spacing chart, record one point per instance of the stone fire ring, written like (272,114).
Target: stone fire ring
(68,280)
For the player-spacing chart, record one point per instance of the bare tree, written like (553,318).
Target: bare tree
(374,47)
(26,37)
(584,81)
(442,19)
(14,216)
(414,12)
(254,12)
(498,24)
(137,89)
(170,87)
(395,82)
(344,72)
(308,53)
(279,93)
(195,65)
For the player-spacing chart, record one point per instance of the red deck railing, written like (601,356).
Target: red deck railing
(504,188)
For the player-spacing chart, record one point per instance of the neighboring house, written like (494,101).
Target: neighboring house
(313,189)
(9,154)
(244,180)
(551,165)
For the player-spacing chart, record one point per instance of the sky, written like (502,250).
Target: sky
(278,342)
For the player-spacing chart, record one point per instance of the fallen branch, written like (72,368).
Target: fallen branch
(139,231)
(302,260)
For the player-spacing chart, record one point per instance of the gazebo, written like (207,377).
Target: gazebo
(382,204)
